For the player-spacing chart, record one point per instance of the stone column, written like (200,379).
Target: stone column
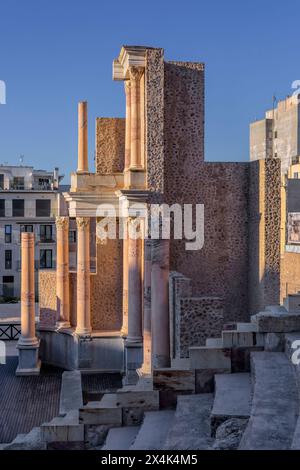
(83,327)
(147,346)
(28,343)
(83,164)
(160,304)
(127,86)
(62,272)
(135,74)
(124,329)
(134,283)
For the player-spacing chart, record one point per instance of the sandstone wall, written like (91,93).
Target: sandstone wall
(110,145)
(47,297)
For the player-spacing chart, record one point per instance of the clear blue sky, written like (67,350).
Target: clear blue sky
(54,53)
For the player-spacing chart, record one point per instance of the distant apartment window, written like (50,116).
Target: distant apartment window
(43,207)
(1,181)
(45,259)
(44,183)
(26,228)
(72,236)
(18,207)
(8,233)
(45,233)
(18,183)
(275,135)
(2,207)
(8,286)
(296,175)
(8,259)
(275,155)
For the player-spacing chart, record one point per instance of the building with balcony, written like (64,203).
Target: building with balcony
(29,202)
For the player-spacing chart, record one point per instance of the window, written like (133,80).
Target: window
(18,183)
(72,236)
(8,259)
(275,135)
(45,259)
(18,207)
(45,233)
(43,207)
(26,228)
(2,207)
(8,232)
(1,181)
(296,175)
(8,286)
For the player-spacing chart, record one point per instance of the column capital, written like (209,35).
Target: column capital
(62,222)
(135,72)
(82,222)
(127,86)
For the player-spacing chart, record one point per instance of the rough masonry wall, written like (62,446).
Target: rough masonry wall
(290,274)
(47,297)
(110,145)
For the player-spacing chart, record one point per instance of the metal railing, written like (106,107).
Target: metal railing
(10,331)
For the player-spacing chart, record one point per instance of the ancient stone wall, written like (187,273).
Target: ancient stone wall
(47,297)
(110,145)
(290,274)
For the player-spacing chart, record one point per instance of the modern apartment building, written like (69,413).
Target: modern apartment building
(29,202)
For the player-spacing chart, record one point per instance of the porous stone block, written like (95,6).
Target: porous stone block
(145,399)
(268,322)
(132,416)
(204,357)
(169,379)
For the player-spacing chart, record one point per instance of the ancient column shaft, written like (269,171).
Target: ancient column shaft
(83,276)
(83,165)
(134,283)
(124,330)
(160,304)
(62,272)
(28,336)
(135,74)
(127,86)
(147,346)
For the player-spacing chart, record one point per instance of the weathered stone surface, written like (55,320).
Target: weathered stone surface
(95,435)
(229,434)
(274,342)
(31,441)
(71,392)
(210,358)
(205,379)
(269,322)
(169,379)
(145,399)
(153,432)
(237,338)
(121,438)
(97,413)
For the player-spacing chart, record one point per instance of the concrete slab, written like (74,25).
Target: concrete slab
(232,398)
(203,357)
(121,438)
(71,392)
(275,403)
(191,425)
(154,430)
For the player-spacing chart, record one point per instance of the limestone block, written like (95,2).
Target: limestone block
(63,429)
(145,399)
(169,379)
(205,379)
(292,303)
(132,416)
(274,342)
(203,357)
(71,392)
(95,413)
(242,339)
(268,322)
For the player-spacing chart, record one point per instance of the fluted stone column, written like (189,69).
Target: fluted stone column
(127,86)
(62,272)
(135,74)
(134,283)
(160,304)
(83,277)
(83,164)
(124,329)
(147,341)
(28,343)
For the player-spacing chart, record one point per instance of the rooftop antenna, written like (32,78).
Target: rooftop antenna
(21,159)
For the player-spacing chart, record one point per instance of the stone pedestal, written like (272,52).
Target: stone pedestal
(62,272)
(160,304)
(83,327)
(133,362)
(28,344)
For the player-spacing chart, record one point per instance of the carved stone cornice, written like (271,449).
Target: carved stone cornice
(62,223)
(128,57)
(82,222)
(135,73)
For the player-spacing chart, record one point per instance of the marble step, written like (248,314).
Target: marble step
(275,403)
(210,357)
(154,430)
(121,438)
(232,398)
(191,425)
(71,392)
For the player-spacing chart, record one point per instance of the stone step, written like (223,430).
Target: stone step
(246,327)
(71,392)
(191,425)
(275,403)
(214,342)
(63,429)
(121,438)
(276,309)
(282,322)
(292,303)
(154,430)
(106,411)
(232,398)
(144,399)
(31,441)
(207,357)
(242,339)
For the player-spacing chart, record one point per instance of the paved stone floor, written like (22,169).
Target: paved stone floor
(26,402)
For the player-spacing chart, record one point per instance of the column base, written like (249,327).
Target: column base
(85,332)
(29,363)
(133,361)
(63,324)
